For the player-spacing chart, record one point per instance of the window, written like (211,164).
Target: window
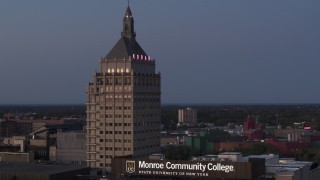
(108,132)
(109,81)
(118,81)
(109,148)
(108,115)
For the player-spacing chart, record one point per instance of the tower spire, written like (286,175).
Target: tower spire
(128,24)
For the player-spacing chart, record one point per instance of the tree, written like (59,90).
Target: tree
(180,152)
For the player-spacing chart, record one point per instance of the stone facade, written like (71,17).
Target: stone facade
(123,103)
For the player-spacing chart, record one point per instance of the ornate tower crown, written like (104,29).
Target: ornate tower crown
(128,25)
(127,45)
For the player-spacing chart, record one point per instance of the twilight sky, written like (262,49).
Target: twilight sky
(208,51)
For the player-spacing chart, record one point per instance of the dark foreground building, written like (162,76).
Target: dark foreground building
(39,171)
(254,168)
(226,165)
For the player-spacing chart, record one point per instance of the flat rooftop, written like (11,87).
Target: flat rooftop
(293,162)
(264,156)
(230,153)
(287,170)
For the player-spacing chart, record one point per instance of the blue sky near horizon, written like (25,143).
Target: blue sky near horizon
(208,51)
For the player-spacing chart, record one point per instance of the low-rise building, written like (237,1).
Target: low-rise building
(19,157)
(70,148)
(8,127)
(283,133)
(288,168)
(198,144)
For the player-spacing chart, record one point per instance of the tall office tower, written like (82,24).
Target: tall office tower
(187,116)
(123,103)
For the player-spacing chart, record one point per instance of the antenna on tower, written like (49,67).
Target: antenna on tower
(128,3)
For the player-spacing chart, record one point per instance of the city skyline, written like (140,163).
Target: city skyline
(207,51)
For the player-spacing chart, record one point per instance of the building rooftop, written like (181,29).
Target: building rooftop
(124,48)
(230,153)
(287,169)
(265,156)
(127,45)
(292,162)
